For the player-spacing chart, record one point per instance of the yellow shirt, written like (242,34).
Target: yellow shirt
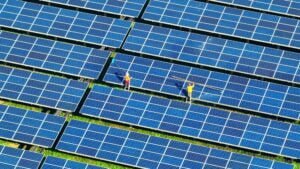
(127,78)
(190,88)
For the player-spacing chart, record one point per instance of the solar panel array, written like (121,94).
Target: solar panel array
(53,19)
(64,23)
(52,55)
(287,7)
(215,52)
(195,121)
(29,127)
(215,87)
(139,150)
(131,8)
(40,89)
(59,163)
(219,19)
(11,158)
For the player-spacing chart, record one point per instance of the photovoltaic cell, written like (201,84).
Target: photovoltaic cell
(139,150)
(69,24)
(29,127)
(286,7)
(214,87)
(226,20)
(40,89)
(52,55)
(131,8)
(19,159)
(214,52)
(59,163)
(194,121)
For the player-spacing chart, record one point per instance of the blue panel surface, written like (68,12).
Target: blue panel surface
(286,7)
(69,24)
(215,87)
(131,8)
(194,121)
(11,158)
(139,150)
(52,55)
(235,22)
(59,163)
(40,89)
(29,127)
(214,52)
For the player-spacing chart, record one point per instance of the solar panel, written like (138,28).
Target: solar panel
(286,7)
(40,89)
(29,127)
(131,8)
(58,22)
(226,20)
(235,91)
(139,150)
(214,52)
(194,121)
(52,55)
(19,159)
(59,163)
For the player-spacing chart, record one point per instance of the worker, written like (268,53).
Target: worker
(189,89)
(127,79)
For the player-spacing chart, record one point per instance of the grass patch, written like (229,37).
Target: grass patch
(296,165)
(132,24)
(91,85)
(19,105)
(9,144)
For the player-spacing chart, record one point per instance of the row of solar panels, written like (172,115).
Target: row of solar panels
(195,121)
(235,91)
(133,8)
(145,39)
(156,41)
(230,21)
(17,158)
(44,90)
(191,14)
(132,149)
(289,8)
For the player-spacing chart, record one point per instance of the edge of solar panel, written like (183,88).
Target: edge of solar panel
(179,134)
(40,104)
(23,152)
(122,163)
(66,161)
(219,33)
(155,91)
(105,11)
(55,36)
(60,130)
(260,9)
(53,70)
(197,63)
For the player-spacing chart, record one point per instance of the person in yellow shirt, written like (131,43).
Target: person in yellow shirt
(189,89)
(127,79)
